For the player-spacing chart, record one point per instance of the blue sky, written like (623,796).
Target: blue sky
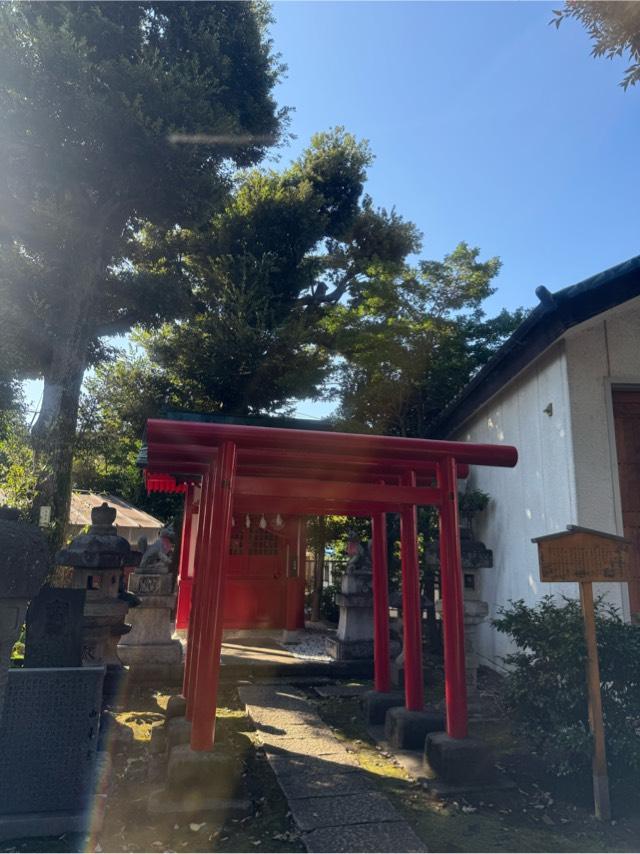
(488,125)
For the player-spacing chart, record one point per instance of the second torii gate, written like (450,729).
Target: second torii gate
(321,473)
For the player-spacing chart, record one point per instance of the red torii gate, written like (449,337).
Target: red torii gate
(321,473)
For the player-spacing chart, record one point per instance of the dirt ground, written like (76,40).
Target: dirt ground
(535,814)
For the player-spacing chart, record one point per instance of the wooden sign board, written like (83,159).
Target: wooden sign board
(580,554)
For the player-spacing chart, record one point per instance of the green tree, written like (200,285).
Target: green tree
(409,339)
(264,272)
(18,470)
(114,115)
(614,29)
(117,399)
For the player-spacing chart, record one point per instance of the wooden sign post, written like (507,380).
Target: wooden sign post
(585,556)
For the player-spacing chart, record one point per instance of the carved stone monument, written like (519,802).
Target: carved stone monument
(149,644)
(48,739)
(24,565)
(98,559)
(354,638)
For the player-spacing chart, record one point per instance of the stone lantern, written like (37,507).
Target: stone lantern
(98,559)
(24,565)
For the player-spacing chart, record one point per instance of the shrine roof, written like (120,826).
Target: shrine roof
(556,313)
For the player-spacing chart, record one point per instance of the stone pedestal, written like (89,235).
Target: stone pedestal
(475,612)
(376,704)
(354,638)
(407,730)
(459,760)
(149,643)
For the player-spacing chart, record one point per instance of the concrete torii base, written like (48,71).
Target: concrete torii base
(198,782)
(459,760)
(376,704)
(408,730)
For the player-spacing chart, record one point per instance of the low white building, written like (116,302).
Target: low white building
(131,523)
(565,390)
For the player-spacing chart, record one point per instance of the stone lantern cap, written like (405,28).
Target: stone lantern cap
(24,557)
(101,547)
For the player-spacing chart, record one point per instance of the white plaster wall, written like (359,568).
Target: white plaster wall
(567,468)
(536,497)
(601,354)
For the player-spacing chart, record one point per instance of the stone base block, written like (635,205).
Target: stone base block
(178,731)
(156,674)
(212,770)
(407,730)
(347,650)
(176,706)
(151,653)
(197,802)
(375,705)
(158,744)
(459,760)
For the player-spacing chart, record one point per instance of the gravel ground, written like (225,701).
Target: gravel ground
(311,648)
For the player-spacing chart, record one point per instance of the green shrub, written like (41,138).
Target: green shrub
(546,685)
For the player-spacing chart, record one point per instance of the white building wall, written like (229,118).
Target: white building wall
(536,497)
(567,468)
(602,354)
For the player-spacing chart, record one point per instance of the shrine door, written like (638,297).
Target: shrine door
(256,579)
(626,411)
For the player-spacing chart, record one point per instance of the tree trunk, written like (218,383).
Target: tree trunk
(54,434)
(318,569)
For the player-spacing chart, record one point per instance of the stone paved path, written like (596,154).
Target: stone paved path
(331,798)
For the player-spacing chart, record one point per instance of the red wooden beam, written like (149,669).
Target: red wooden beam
(382,665)
(289,461)
(195,616)
(289,487)
(183,603)
(411,608)
(310,507)
(452,604)
(208,671)
(335,444)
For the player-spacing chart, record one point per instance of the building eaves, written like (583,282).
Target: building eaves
(556,313)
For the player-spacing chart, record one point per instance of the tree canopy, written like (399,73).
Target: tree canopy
(114,115)
(263,273)
(614,29)
(409,339)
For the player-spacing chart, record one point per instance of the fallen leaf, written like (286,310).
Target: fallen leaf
(467,809)
(196,827)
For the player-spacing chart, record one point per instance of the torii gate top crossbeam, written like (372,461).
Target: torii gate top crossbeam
(312,471)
